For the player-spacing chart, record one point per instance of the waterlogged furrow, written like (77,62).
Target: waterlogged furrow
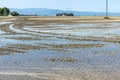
(60,51)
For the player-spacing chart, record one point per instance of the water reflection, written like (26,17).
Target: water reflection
(77,45)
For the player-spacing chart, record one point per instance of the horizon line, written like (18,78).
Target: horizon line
(66,10)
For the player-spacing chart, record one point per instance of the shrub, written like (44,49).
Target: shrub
(106,17)
(14,13)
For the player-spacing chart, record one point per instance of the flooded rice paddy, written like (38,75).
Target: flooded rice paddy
(56,51)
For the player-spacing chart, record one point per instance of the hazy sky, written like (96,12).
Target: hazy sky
(78,5)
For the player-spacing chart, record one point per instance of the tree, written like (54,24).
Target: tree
(59,14)
(0,11)
(70,14)
(14,13)
(5,11)
(64,14)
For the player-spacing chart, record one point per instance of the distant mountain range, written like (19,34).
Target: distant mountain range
(52,12)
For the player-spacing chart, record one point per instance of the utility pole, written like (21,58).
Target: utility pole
(67,10)
(106,8)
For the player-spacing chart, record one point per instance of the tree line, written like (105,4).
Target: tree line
(64,14)
(6,11)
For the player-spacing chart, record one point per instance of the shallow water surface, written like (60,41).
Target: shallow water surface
(81,47)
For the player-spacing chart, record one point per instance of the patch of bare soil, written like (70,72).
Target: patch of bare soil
(77,46)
